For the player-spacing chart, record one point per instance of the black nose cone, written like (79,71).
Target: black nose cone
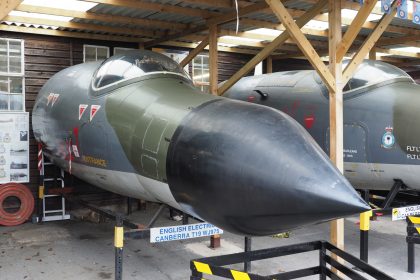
(253,170)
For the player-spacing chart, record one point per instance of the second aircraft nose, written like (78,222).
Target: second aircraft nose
(253,170)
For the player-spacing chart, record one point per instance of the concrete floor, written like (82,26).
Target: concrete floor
(82,250)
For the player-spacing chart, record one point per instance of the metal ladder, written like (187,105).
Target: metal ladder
(56,181)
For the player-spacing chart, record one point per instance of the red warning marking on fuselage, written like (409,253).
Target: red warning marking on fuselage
(309,121)
(251,98)
(82,109)
(93,110)
(54,99)
(49,98)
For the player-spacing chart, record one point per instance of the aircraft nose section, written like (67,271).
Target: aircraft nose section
(253,170)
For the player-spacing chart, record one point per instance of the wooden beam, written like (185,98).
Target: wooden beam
(369,43)
(85,26)
(148,23)
(224,18)
(372,54)
(161,8)
(305,46)
(220,48)
(305,18)
(269,64)
(193,53)
(6,6)
(228,17)
(213,53)
(354,28)
(399,53)
(336,108)
(69,34)
(398,40)
(213,3)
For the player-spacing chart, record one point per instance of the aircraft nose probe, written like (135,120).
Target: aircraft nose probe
(255,171)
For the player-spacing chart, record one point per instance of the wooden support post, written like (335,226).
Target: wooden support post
(303,43)
(304,19)
(369,43)
(141,46)
(269,64)
(336,108)
(372,54)
(213,59)
(193,53)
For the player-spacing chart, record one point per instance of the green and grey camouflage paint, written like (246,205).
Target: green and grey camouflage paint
(243,167)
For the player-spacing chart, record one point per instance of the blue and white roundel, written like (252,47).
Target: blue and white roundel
(388,140)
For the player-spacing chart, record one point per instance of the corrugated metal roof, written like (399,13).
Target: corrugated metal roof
(191,20)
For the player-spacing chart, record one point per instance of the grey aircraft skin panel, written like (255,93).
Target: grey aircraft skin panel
(135,125)
(381,116)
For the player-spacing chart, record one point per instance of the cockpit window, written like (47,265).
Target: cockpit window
(373,72)
(133,64)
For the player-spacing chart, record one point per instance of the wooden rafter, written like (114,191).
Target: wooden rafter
(85,26)
(148,23)
(6,6)
(193,53)
(220,48)
(354,28)
(303,43)
(399,53)
(69,34)
(162,8)
(213,21)
(369,43)
(398,40)
(271,47)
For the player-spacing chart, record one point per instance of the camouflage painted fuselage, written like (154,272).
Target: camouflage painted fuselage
(243,167)
(381,118)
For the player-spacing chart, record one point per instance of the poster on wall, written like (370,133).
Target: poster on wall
(14,147)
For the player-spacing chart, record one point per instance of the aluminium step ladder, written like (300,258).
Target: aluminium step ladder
(51,177)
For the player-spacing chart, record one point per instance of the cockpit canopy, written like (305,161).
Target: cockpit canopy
(134,64)
(374,72)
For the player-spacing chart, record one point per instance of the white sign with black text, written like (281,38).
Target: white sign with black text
(162,234)
(402,212)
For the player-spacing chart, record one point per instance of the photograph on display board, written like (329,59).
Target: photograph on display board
(14,147)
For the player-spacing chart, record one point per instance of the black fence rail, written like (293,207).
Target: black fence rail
(352,267)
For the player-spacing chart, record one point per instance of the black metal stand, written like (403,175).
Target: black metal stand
(118,244)
(364,245)
(413,237)
(248,244)
(364,234)
(398,184)
(184,218)
(326,268)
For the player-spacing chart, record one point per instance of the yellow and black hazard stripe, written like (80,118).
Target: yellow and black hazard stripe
(416,223)
(221,271)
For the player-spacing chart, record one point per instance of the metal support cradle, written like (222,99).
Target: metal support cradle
(327,265)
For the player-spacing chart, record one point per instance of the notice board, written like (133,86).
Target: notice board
(14,147)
